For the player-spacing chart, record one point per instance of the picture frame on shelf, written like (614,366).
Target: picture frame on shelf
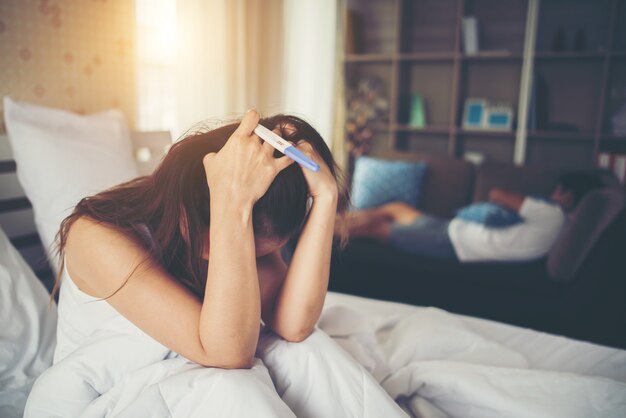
(499,117)
(481,114)
(474,113)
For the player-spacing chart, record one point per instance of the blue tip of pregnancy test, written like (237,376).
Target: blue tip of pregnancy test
(299,157)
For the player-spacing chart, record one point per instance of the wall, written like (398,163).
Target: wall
(78,55)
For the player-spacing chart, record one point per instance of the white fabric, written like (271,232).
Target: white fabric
(524,241)
(54,148)
(109,367)
(434,363)
(443,365)
(27,329)
(79,315)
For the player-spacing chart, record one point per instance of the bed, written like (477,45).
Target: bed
(431,362)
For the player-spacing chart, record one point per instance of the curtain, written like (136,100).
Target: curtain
(232,55)
(230,59)
(310,34)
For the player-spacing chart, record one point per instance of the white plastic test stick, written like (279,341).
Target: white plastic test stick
(286,148)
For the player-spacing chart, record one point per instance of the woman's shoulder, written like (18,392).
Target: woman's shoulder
(99,257)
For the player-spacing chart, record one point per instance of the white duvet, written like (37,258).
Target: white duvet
(428,360)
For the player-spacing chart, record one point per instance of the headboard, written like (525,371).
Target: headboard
(16,214)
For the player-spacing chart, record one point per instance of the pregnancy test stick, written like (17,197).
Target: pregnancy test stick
(286,148)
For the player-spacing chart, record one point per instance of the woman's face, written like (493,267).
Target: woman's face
(265,246)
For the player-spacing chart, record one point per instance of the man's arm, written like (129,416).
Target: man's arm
(506,198)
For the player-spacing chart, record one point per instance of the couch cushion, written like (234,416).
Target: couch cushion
(592,216)
(448,183)
(490,214)
(379,181)
(527,180)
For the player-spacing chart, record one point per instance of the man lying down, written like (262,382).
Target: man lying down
(166,279)
(510,227)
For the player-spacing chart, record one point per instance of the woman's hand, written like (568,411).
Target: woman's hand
(244,168)
(323,182)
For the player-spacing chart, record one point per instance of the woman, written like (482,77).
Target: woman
(144,250)
(223,278)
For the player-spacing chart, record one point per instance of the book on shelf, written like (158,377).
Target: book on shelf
(616,162)
(469,27)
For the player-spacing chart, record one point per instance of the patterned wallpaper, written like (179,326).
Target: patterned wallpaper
(78,55)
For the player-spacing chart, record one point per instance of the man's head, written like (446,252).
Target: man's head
(571,187)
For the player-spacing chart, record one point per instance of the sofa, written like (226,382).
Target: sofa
(578,290)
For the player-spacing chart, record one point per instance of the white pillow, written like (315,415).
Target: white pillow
(62,157)
(27,329)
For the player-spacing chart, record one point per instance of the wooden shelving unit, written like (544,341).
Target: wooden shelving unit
(566,57)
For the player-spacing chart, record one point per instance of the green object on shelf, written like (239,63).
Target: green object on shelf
(418,113)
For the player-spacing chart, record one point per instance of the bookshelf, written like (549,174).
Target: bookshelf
(560,65)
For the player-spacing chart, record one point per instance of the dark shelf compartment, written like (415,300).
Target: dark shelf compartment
(431,80)
(428,26)
(562,21)
(501,23)
(371,27)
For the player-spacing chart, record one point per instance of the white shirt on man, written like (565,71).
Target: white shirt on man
(528,240)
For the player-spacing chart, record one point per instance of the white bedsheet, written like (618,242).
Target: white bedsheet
(121,372)
(441,365)
(434,364)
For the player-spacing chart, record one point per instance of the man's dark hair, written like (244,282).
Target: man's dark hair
(578,183)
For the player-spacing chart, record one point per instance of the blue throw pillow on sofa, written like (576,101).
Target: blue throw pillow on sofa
(378,181)
(489,214)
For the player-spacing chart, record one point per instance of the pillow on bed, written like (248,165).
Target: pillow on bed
(489,214)
(28,331)
(378,181)
(62,157)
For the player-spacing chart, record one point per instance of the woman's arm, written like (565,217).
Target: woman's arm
(99,258)
(300,300)
(231,311)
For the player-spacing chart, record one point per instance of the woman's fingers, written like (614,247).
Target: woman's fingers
(248,123)
(267,148)
(282,163)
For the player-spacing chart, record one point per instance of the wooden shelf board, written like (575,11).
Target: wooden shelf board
(368,57)
(562,135)
(437,130)
(428,56)
(494,56)
(486,132)
(566,55)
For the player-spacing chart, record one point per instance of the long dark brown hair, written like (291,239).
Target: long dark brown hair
(173,202)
